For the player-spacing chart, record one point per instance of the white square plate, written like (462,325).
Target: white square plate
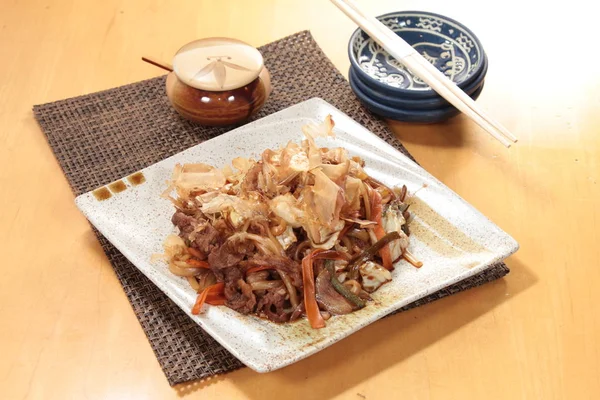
(453,240)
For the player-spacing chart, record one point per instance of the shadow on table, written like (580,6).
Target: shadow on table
(377,347)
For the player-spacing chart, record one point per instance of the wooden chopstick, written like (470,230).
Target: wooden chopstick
(422,68)
(435,78)
(439,76)
(159,64)
(466,99)
(404,53)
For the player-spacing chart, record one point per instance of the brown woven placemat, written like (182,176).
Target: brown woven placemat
(100,137)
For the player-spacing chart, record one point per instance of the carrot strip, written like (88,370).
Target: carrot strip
(198,263)
(200,301)
(195,253)
(376,211)
(215,289)
(215,299)
(330,255)
(310,301)
(256,269)
(214,296)
(216,302)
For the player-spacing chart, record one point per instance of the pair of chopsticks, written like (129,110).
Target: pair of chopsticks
(418,65)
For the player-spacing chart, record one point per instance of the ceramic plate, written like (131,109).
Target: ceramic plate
(453,240)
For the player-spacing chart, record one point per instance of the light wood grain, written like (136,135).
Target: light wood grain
(68,332)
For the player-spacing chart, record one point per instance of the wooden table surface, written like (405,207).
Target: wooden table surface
(68,332)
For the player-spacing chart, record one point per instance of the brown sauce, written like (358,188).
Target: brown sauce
(439,234)
(136,179)
(102,194)
(117,187)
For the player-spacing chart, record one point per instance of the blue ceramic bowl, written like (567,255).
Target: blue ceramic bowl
(410,103)
(405,115)
(450,46)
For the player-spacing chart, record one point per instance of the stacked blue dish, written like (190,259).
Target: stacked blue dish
(388,89)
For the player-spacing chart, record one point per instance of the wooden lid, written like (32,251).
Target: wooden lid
(217,64)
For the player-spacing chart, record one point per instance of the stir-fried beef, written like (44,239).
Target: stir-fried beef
(206,239)
(237,292)
(298,312)
(200,234)
(328,297)
(229,254)
(272,305)
(285,264)
(224,257)
(185,223)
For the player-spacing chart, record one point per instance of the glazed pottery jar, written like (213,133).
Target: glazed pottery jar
(218,81)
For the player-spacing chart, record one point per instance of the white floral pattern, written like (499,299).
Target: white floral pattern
(465,42)
(457,56)
(430,23)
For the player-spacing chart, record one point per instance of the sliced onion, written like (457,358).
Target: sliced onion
(179,271)
(359,234)
(353,286)
(411,259)
(193,283)
(364,295)
(361,222)
(372,236)
(300,248)
(290,288)
(264,285)
(257,276)
(348,244)
(206,278)
(181,263)
(298,311)
(264,244)
(279,228)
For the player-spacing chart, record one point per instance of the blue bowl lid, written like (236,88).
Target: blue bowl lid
(450,46)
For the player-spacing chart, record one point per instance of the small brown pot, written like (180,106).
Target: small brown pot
(217,108)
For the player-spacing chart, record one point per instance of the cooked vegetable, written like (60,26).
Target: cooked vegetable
(256,269)
(376,208)
(393,221)
(370,252)
(301,230)
(310,300)
(411,259)
(215,289)
(290,287)
(328,298)
(197,263)
(342,289)
(195,253)
(182,271)
(373,276)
